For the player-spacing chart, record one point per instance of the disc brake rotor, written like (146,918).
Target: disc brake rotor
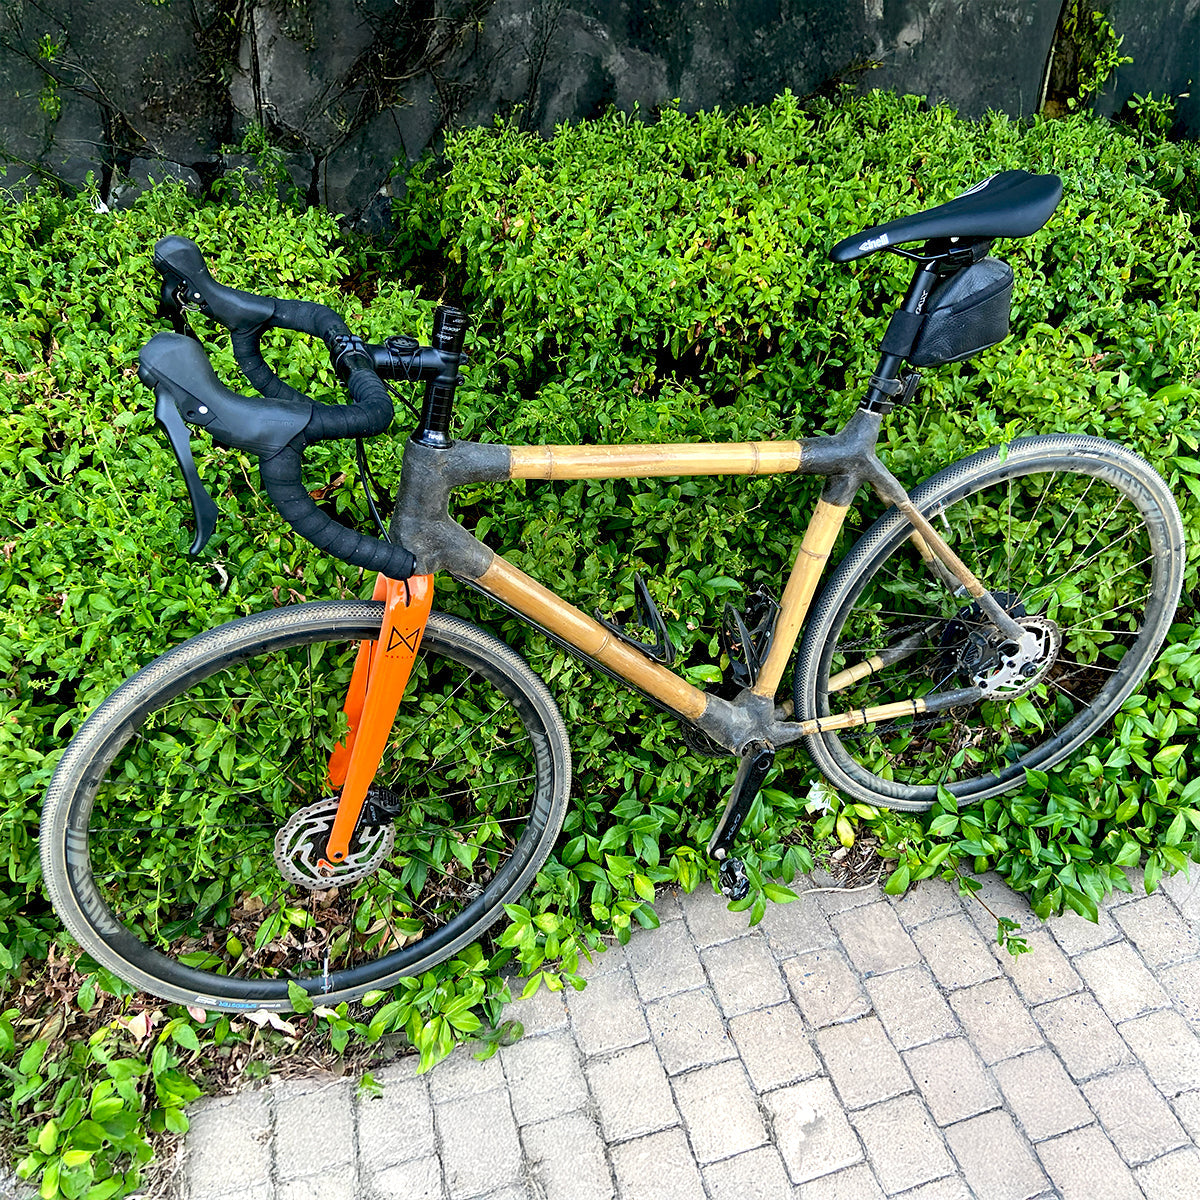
(301,842)
(1014,667)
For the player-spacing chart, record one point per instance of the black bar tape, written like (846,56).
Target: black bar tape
(281,478)
(370,413)
(249,357)
(306,317)
(902,333)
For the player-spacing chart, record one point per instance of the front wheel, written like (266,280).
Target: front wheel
(181,828)
(1081,543)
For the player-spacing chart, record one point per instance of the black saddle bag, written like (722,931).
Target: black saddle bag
(966,313)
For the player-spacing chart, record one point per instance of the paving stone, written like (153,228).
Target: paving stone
(874,939)
(744,976)
(1043,974)
(1183,986)
(514,1191)
(774,1047)
(854,1183)
(1185,893)
(632,1094)
(462,1074)
(664,961)
(607,1014)
(996,895)
(1155,927)
(903,1144)
(719,1111)
(688,1032)
(952,1188)
(926,901)
(480,1150)
(1120,981)
(1168,1049)
(952,1080)
(811,1130)
(1103,1175)
(229,1145)
(395,1125)
(1175,1177)
(302,1105)
(862,1063)
(1086,1040)
(1136,878)
(835,899)
(331,1185)
(658,1167)
(825,988)
(1137,1119)
(794,928)
(956,954)
(668,904)
(995,1159)
(1077,935)
(709,919)
(404,1067)
(419,1179)
(544,1012)
(756,1175)
(1042,1095)
(995,1020)
(565,1155)
(1187,1109)
(604,961)
(544,1078)
(911,1007)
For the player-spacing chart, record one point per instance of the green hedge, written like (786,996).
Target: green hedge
(629,279)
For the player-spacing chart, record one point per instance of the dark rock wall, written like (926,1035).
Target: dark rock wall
(132,90)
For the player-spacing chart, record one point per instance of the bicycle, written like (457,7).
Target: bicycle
(271,801)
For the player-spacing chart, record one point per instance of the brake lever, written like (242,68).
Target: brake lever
(166,413)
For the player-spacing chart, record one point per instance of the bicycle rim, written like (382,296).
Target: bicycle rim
(192,808)
(1078,540)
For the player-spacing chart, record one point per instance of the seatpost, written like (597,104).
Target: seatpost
(898,340)
(449,331)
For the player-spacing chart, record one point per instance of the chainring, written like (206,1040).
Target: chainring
(300,842)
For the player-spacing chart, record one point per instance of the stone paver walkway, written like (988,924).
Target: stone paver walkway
(851,1046)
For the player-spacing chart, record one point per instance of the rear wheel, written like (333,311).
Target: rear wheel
(182,825)
(1081,543)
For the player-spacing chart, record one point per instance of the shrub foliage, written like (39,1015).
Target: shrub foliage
(629,279)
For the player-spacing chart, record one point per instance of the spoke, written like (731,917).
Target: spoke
(462,741)
(399,748)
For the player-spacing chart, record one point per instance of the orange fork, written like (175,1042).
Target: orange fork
(380,676)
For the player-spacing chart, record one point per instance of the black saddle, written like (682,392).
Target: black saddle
(1009,205)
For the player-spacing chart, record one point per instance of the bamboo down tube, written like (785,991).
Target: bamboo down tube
(635,462)
(797,596)
(539,604)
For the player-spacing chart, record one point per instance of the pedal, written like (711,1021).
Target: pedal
(746,637)
(662,649)
(734,881)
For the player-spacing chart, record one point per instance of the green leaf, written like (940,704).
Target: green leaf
(185,1035)
(897,883)
(300,1000)
(47,1138)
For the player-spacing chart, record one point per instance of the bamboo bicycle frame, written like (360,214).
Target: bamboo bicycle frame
(848,459)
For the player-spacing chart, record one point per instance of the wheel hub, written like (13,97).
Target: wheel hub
(300,843)
(1010,668)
